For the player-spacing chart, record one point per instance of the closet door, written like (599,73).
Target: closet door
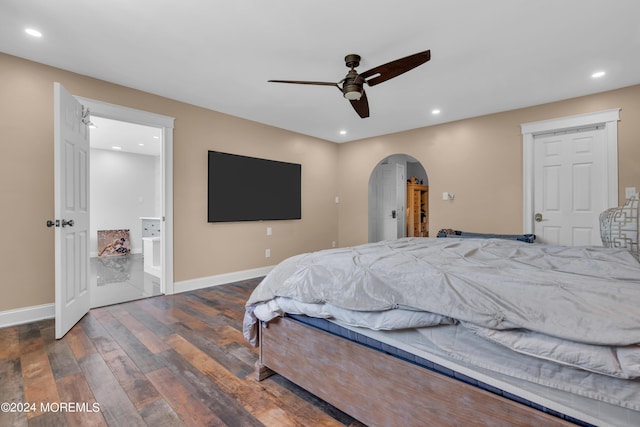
(569,189)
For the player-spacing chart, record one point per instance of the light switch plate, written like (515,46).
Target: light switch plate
(629,192)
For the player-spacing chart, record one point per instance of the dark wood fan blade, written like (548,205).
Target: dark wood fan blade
(361,106)
(299,82)
(393,69)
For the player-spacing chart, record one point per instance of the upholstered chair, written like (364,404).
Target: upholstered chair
(619,227)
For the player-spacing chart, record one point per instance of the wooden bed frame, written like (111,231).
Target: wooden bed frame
(381,390)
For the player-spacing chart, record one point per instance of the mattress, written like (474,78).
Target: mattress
(587,400)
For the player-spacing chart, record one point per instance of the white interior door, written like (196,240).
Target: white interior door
(389,208)
(71,189)
(569,188)
(401,201)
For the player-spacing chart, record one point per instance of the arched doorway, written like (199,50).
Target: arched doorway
(388,196)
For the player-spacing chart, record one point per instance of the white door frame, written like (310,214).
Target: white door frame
(125,114)
(608,118)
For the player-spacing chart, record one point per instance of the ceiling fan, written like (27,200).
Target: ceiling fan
(353,83)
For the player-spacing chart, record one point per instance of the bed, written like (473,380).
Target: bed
(457,331)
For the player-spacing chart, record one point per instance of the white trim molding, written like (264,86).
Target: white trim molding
(24,315)
(220,279)
(35,313)
(608,118)
(126,114)
(131,115)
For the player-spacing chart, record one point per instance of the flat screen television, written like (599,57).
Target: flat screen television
(245,188)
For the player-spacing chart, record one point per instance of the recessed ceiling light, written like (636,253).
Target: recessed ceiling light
(343,132)
(116,148)
(156,137)
(435,111)
(598,74)
(33,32)
(141,144)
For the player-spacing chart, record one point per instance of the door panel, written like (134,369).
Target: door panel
(71,188)
(569,193)
(552,180)
(581,236)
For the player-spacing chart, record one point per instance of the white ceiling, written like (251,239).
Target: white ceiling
(115,135)
(486,56)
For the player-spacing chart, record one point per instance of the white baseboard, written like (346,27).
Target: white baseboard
(24,315)
(220,279)
(34,313)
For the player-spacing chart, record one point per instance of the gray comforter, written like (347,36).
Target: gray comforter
(587,295)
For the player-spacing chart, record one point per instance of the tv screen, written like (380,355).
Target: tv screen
(245,188)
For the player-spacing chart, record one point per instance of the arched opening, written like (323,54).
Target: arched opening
(389,215)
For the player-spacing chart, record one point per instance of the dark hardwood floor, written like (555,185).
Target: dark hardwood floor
(163,361)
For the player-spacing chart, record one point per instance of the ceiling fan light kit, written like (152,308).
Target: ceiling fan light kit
(352,95)
(353,83)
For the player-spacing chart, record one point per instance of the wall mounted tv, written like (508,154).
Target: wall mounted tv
(245,188)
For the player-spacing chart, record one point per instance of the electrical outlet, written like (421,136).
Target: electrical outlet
(267,253)
(268,231)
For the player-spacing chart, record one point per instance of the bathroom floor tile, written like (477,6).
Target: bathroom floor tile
(118,279)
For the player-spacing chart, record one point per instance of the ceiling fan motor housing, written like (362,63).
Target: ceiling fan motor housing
(352,60)
(351,88)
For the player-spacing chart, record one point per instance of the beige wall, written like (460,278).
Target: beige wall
(480,161)
(200,249)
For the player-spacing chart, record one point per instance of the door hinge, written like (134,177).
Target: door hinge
(86,116)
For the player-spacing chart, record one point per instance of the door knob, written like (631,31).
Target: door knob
(69,223)
(55,223)
(538,217)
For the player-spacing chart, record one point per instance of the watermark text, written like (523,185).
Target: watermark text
(49,407)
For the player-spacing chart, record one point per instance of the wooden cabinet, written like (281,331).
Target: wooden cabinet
(417,210)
